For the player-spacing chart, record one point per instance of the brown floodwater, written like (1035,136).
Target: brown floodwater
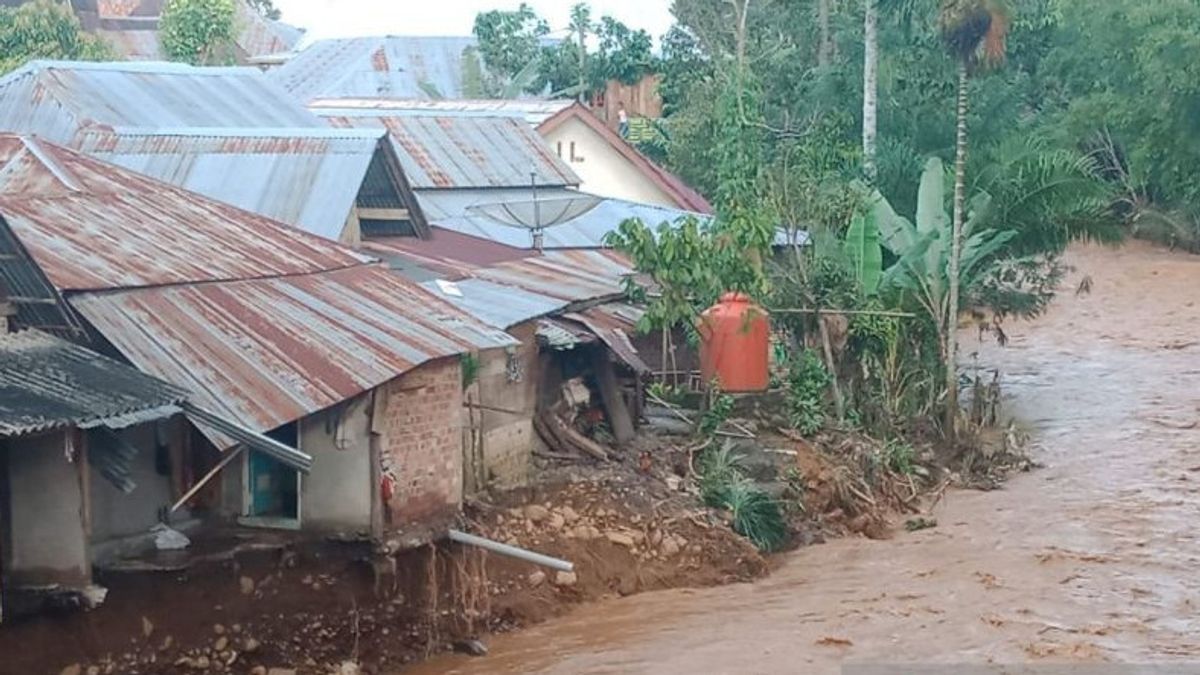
(1092,558)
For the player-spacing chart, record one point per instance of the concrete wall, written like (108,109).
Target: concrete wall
(48,536)
(507,438)
(604,171)
(421,448)
(116,514)
(336,495)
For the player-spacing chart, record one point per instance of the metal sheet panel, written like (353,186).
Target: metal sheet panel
(306,178)
(57,99)
(457,150)
(533,111)
(614,323)
(573,276)
(458,210)
(494,304)
(266,352)
(47,383)
(91,225)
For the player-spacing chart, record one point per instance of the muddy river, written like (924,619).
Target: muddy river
(1092,558)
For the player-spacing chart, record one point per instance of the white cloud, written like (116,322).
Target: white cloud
(346,18)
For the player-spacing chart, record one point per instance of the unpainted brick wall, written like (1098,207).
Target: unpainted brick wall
(422,448)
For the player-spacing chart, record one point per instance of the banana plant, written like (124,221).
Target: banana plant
(923,249)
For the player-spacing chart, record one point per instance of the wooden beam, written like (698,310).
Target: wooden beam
(614,404)
(384,214)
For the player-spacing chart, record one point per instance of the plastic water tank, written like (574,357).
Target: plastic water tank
(735,344)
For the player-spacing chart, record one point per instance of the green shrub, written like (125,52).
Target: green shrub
(724,485)
(808,380)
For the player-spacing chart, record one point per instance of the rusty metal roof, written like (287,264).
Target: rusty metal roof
(91,225)
(310,178)
(533,111)
(446,254)
(573,276)
(47,383)
(614,323)
(457,150)
(495,304)
(265,352)
(391,66)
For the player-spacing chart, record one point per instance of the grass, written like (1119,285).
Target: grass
(724,485)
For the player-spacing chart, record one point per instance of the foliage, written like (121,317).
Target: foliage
(720,407)
(864,251)
(724,485)
(808,380)
(899,457)
(199,32)
(469,364)
(266,8)
(45,29)
(509,40)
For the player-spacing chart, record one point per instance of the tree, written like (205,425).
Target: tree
(581,25)
(199,32)
(45,29)
(509,42)
(974,32)
(870,85)
(266,8)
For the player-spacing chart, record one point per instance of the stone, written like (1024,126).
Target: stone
(565,579)
(669,548)
(619,538)
(219,629)
(568,514)
(282,671)
(93,670)
(537,578)
(73,669)
(472,647)
(246,584)
(348,668)
(230,657)
(236,628)
(258,670)
(147,627)
(200,663)
(221,643)
(674,483)
(656,537)
(638,536)
(166,643)
(556,521)
(250,645)
(537,513)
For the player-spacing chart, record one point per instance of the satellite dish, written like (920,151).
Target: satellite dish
(536,214)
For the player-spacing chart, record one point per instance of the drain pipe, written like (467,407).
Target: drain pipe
(511,551)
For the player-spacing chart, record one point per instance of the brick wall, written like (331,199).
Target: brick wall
(508,384)
(421,449)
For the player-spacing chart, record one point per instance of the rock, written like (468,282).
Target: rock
(619,538)
(568,514)
(282,671)
(639,537)
(219,629)
(200,663)
(669,548)
(656,537)
(230,657)
(250,645)
(166,643)
(73,669)
(147,627)
(307,580)
(537,513)
(348,668)
(582,532)
(565,579)
(93,670)
(556,521)
(537,578)
(246,584)
(236,628)
(674,482)
(221,643)
(472,647)
(258,670)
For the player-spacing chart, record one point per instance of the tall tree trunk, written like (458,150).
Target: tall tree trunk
(825,47)
(583,64)
(870,84)
(960,207)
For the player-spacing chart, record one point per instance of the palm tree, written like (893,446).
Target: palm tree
(870,84)
(974,32)
(581,23)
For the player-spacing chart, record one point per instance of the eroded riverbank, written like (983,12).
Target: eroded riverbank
(1090,559)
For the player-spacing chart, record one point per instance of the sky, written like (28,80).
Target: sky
(346,18)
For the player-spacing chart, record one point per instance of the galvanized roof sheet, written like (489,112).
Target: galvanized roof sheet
(495,304)
(391,66)
(573,276)
(444,254)
(533,111)
(91,225)
(47,383)
(460,210)
(309,178)
(265,352)
(57,99)
(455,150)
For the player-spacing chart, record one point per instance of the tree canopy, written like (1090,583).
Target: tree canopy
(45,29)
(199,32)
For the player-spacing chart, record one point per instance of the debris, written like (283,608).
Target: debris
(537,578)
(348,668)
(919,523)
(828,641)
(565,579)
(537,513)
(167,539)
(472,647)
(246,584)
(619,538)
(250,645)
(147,627)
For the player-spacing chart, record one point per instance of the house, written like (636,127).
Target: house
(611,166)
(280,332)
(226,133)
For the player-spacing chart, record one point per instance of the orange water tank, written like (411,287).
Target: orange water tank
(735,344)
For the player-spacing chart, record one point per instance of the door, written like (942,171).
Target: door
(273,488)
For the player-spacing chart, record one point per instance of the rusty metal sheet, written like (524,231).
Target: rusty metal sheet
(533,111)
(265,352)
(445,254)
(574,276)
(91,225)
(462,150)
(614,323)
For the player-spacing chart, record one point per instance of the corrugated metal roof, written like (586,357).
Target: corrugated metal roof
(459,210)
(533,111)
(90,225)
(614,323)
(495,304)
(445,254)
(573,276)
(47,383)
(455,150)
(392,66)
(57,99)
(309,178)
(268,351)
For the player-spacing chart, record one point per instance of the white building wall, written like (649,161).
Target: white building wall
(603,170)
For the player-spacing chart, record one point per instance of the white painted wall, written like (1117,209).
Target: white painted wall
(49,542)
(336,495)
(604,171)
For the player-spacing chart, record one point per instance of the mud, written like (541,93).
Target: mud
(1091,559)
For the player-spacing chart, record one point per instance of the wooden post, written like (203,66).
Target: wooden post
(833,375)
(610,392)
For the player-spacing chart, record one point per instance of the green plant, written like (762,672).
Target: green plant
(899,457)
(199,32)
(470,369)
(48,30)
(864,252)
(755,515)
(718,468)
(808,380)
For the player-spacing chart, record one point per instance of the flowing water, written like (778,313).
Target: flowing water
(1090,559)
